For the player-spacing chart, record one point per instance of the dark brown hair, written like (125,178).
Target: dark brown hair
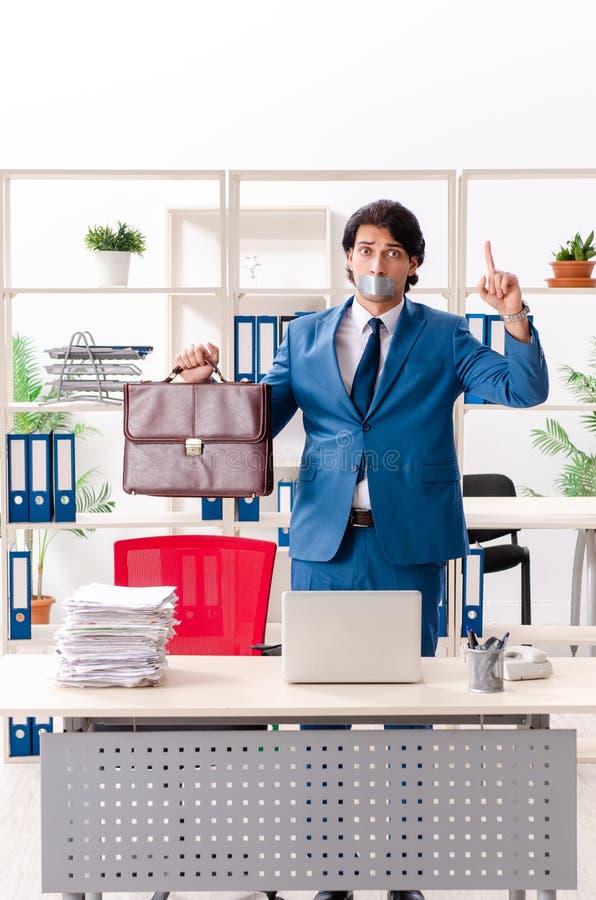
(402,224)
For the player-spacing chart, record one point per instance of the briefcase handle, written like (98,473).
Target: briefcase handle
(178,369)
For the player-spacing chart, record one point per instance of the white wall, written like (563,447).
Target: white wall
(269,84)
(331,84)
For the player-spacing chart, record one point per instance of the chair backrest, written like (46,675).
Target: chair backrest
(222,584)
(488,485)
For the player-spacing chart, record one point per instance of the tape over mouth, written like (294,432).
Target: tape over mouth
(376,286)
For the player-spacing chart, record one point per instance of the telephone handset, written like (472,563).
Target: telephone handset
(522,663)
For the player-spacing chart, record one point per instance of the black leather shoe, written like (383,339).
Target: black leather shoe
(335,895)
(405,895)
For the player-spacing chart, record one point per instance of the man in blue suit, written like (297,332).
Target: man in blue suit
(378,503)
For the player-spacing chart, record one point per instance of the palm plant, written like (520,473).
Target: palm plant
(27,388)
(578,478)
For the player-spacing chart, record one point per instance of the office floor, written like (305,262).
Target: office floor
(20,840)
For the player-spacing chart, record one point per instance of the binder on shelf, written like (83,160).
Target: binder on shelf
(244,348)
(19,592)
(211,508)
(267,328)
(38,728)
(248,509)
(443,610)
(64,477)
(285,499)
(17,449)
(40,478)
(473,590)
(495,334)
(19,730)
(284,321)
(477,325)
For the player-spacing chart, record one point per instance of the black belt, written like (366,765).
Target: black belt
(361,518)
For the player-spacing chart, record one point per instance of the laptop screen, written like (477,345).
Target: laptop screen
(351,636)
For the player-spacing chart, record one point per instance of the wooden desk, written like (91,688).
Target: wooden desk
(262,810)
(249,689)
(530,512)
(547,512)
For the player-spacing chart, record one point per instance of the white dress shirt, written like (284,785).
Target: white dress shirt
(350,340)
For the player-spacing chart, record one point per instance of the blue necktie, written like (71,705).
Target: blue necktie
(363,386)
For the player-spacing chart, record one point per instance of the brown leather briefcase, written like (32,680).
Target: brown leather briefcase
(198,440)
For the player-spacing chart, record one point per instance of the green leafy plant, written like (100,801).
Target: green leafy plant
(90,497)
(125,239)
(578,478)
(576,249)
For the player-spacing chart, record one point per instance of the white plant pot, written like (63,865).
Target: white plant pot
(112,267)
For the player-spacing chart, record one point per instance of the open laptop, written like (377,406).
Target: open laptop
(351,636)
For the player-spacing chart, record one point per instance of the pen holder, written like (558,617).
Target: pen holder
(485,671)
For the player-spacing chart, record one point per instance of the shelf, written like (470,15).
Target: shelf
(541,407)
(64,406)
(123,520)
(192,291)
(345,291)
(341,175)
(288,292)
(543,290)
(538,174)
(545,634)
(586,749)
(101,174)
(267,520)
(42,640)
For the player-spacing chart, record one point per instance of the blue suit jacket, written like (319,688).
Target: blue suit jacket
(407,435)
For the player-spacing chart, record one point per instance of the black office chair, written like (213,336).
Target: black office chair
(501,557)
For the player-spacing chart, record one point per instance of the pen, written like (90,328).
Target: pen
(503,641)
(491,643)
(472,639)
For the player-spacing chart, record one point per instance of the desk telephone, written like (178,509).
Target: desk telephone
(521,663)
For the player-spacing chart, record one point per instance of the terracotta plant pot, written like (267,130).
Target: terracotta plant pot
(40,609)
(573,268)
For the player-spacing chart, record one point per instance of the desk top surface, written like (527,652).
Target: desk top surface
(530,512)
(248,687)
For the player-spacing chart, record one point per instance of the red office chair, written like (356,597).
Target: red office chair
(222,585)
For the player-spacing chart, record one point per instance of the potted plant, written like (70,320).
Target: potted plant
(27,388)
(578,478)
(112,250)
(573,263)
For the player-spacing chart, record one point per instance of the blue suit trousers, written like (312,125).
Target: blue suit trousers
(360,564)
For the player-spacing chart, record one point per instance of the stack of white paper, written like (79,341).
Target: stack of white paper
(115,636)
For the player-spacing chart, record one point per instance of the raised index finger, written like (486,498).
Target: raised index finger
(488,255)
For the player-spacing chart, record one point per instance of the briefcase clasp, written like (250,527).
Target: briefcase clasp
(193,446)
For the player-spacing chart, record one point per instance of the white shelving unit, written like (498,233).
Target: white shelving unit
(291,220)
(123,189)
(467,180)
(525,239)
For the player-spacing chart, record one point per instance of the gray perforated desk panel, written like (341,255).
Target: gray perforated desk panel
(298,810)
